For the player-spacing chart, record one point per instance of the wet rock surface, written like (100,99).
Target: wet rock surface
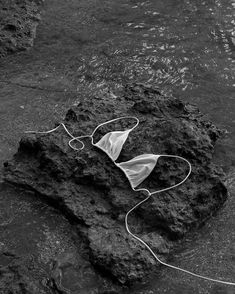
(18,23)
(22,275)
(17,276)
(93,193)
(53,261)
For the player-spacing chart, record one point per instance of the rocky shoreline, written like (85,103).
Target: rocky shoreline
(92,193)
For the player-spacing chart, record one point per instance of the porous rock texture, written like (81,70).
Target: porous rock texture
(18,276)
(89,189)
(18,23)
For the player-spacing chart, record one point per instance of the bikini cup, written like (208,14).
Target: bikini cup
(138,168)
(112,142)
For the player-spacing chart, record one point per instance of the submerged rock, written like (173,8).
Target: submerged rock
(18,22)
(92,192)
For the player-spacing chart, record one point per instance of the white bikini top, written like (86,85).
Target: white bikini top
(138,168)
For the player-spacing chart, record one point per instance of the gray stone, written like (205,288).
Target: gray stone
(18,23)
(93,193)
(17,276)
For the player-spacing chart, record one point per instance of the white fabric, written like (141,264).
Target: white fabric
(138,168)
(112,142)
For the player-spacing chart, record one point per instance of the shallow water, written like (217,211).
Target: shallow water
(185,47)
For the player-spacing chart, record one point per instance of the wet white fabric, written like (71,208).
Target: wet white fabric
(112,143)
(138,168)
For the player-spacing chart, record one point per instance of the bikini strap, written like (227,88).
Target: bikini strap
(112,120)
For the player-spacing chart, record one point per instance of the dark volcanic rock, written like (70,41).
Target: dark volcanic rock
(18,276)
(88,188)
(23,275)
(18,22)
